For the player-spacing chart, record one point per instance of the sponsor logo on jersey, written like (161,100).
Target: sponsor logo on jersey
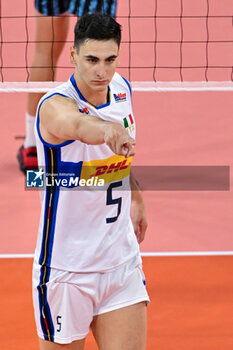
(113,167)
(35,178)
(110,169)
(120,97)
(84,110)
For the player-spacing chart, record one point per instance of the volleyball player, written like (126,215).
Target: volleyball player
(87,271)
(47,53)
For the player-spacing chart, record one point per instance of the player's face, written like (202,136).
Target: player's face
(96,63)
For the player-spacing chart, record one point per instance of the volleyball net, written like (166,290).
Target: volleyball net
(167,45)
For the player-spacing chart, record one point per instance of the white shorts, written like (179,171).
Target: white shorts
(66,304)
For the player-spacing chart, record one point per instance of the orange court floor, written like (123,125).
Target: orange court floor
(191,304)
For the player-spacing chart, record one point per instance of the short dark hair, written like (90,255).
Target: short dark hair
(96,26)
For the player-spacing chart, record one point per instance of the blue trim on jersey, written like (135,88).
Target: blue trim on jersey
(38,127)
(42,274)
(48,232)
(65,168)
(83,98)
(45,310)
(50,317)
(45,313)
(128,84)
(76,88)
(57,192)
(45,208)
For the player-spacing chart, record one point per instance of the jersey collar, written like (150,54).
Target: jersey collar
(83,99)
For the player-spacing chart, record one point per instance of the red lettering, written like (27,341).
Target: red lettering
(123,166)
(100,170)
(114,167)
(122,95)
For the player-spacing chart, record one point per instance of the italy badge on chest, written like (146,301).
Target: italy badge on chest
(129,123)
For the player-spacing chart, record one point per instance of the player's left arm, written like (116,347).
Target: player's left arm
(138,210)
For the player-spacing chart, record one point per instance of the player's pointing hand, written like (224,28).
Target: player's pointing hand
(118,140)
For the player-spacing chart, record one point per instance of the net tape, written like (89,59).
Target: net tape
(38,87)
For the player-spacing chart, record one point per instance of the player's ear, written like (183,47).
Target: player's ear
(73,54)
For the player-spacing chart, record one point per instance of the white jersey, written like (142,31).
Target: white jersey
(84,229)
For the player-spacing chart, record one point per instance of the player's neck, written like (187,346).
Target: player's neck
(96,98)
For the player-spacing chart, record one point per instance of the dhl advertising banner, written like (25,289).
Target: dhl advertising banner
(110,169)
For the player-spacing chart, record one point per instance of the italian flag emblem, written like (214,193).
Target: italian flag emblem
(128,121)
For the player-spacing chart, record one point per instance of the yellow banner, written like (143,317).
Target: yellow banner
(109,169)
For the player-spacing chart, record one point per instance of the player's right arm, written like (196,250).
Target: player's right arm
(60,120)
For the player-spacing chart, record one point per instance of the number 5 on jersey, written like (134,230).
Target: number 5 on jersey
(111,201)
